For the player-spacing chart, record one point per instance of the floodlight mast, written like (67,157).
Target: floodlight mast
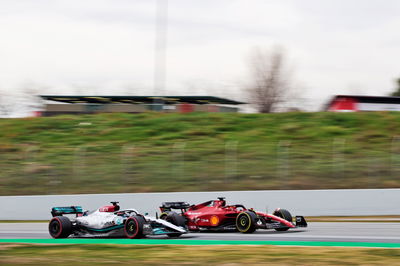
(160,53)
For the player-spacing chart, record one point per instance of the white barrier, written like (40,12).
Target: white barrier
(344,202)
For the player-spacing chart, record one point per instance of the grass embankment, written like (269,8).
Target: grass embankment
(110,153)
(18,254)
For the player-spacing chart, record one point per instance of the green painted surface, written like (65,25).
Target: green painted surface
(200,242)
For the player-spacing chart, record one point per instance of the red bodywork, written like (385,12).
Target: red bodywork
(110,208)
(215,214)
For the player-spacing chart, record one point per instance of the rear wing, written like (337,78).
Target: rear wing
(59,211)
(178,205)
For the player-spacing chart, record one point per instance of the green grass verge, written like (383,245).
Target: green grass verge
(190,255)
(194,242)
(112,153)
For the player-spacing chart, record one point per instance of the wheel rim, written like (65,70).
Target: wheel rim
(243,222)
(55,228)
(131,228)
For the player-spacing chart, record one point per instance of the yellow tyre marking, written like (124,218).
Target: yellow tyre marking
(248,227)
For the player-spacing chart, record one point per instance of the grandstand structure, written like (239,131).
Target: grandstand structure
(62,104)
(361,103)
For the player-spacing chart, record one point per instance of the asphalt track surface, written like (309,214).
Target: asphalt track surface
(316,232)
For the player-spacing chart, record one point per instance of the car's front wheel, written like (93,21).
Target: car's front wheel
(284,214)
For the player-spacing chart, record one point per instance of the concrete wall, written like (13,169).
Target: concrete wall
(300,202)
(65,108)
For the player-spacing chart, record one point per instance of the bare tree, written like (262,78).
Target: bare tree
(396,93)
(31,100)
(22,100)
(28,97)
(7,106)
(270,79)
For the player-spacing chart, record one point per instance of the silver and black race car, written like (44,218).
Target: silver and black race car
(109,221)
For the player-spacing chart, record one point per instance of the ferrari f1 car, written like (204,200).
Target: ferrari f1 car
(216,215)
(109,221)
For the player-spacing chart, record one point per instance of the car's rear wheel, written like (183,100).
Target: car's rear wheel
(284,214)
(60,227)
(246,222)
(175,219)
(133,227)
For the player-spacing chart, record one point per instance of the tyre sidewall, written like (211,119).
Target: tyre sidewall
(64,227)
(284,214)
(176,219)
(164,215)
(137,222)
(246,222)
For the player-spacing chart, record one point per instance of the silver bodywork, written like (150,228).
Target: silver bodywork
(108,224)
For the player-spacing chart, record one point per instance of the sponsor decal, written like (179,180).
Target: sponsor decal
(109,223)
(118,220)
(214,220)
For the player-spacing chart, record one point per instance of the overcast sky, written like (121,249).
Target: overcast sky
(107,46)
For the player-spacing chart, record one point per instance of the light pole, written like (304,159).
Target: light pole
(160,54)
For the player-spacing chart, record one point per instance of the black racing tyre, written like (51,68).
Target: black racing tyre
(246,222)
(175,219)
(164,215)
(133,227)
(285,214)
(60,227)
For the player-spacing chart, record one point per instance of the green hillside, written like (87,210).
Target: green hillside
(109,153)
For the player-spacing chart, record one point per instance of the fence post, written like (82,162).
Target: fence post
(30,154)
(230,159)
(283,167)
(338,160)
(178,160)
(29,163)
(394,160)
(372,163)
(79,164)
(127,152)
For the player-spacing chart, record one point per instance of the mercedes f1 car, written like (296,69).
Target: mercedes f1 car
(109,221)
(216,215)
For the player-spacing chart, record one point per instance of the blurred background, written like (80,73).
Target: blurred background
(150,96)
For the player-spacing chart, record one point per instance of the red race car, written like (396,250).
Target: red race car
(216,215)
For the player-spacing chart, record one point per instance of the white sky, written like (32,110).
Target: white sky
(107,46)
